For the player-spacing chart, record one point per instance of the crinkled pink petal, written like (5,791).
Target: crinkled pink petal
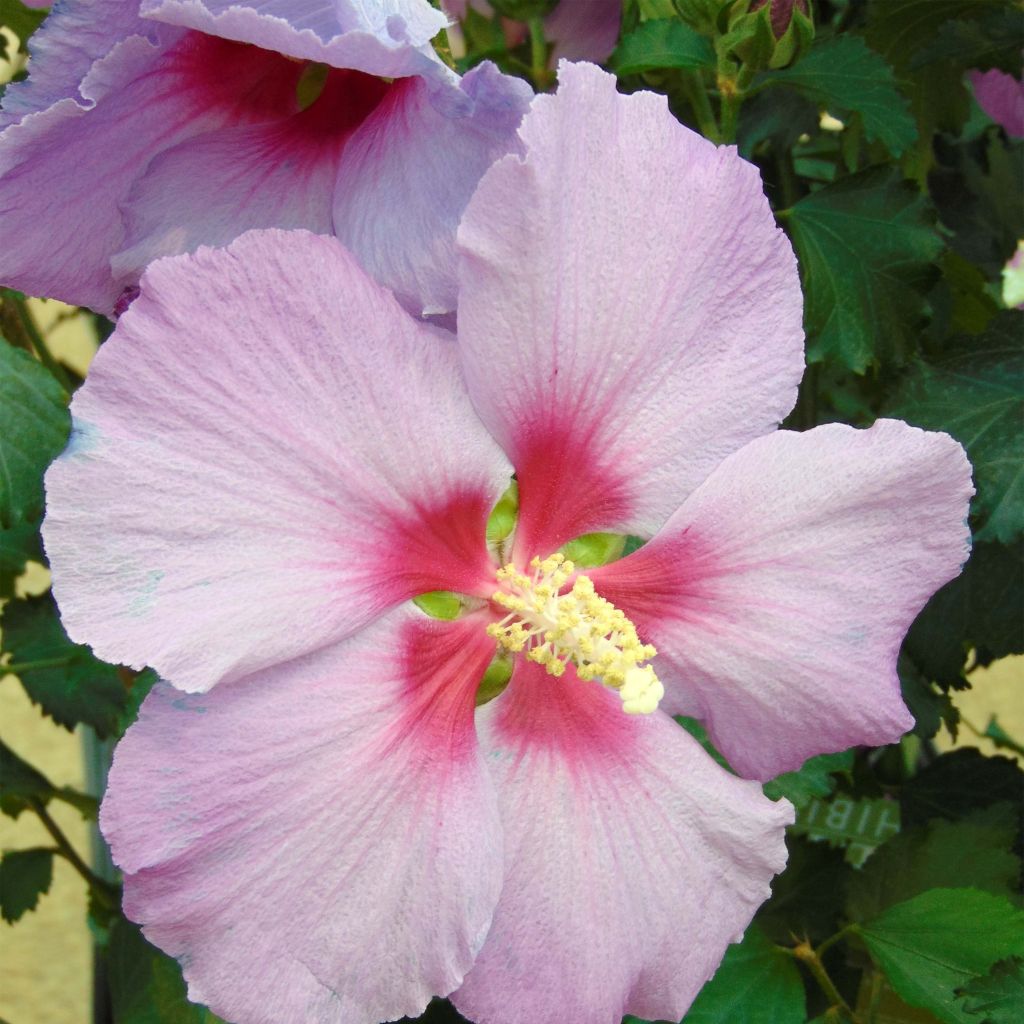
(65,170)
(631,859)
(63,49)
(584,29)
(409,170)
(381,37)
(779,594)
(1001,96)
(319,842)
(620,342)
(267,454)
(277,174)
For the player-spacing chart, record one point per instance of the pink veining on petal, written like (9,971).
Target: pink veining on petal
(320,841)
(278,173)
(565,489)
(621,835)
(779,593)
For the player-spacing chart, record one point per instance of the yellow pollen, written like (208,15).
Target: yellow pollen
(578,627)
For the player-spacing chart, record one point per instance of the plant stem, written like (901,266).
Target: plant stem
(538,54)
(103,891)
(38,343)
(811,959)
(833,939)
(31,666)
(697,94)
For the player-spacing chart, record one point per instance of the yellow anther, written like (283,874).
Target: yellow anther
(579,627)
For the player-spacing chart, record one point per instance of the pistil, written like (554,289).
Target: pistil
(578,627)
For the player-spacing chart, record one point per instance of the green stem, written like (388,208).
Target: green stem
(811,959)
(31,666)
(698,96)
(102,891)
(732,91)
(538,54)
(833,939)
(38,343)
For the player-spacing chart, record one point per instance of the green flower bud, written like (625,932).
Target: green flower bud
(768,33)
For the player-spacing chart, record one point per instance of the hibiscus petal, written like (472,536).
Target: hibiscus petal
(1001,96)
(778,595)
(381,37)
(67,168)
(584,29)
(632,859)
(319,842)
(408,172)
(629,313)
(278,174)
(63,49)
(266,455)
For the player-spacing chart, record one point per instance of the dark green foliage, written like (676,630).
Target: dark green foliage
(975,392)
(146,985)
(63,678)
(998,998)
(867,248)
(34,426)
(934,944)
(25,876)
(958,784)
(661,45)
(975,852)
(21,786)
(846,77)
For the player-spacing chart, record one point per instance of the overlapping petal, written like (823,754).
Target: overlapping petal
(65,170)
(319,842)
(408,173)
(267,454)
(779,594)
(65,47)
(632,859)
(382,37)
(619,342)
(155,139)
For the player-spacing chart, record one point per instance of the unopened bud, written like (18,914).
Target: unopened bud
(781,13)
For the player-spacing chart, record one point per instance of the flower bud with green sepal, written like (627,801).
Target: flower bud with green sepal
(768,33)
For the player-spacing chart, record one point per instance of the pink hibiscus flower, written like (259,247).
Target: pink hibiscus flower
(577,29)
(270,458)
(136,137)
(1001,96)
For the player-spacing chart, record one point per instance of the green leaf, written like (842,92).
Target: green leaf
(976,393)
(20,784)
(145,985)
(937,942)
(34,426)
(958,784)
(983,609)
(998,997)
(63,678)
(756,983)
(661,45)
(814,778)
(845,77)
(867,251)
(25,875)
(1001,738)
(807,898)
(993,40)
(976,852)
(930,707)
